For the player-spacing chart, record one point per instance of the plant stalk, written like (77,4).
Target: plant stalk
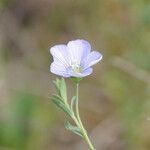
(80,122)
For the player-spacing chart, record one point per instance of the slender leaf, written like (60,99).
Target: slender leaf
(57,85)
(58,97)
(74,129)
(60,103)
(63,90)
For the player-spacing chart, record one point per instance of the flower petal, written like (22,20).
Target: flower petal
(59,69)
(78,50)
(60,54)
(86,72)
(92,59)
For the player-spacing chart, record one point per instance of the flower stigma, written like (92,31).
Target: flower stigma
(76,68)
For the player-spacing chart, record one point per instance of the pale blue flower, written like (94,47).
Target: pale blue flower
(74,59)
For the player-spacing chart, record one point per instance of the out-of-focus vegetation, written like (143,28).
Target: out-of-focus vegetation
(114,100)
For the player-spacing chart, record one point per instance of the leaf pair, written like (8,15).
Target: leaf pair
(74,129)
(61,101)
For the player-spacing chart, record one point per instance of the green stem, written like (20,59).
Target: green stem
(79,120)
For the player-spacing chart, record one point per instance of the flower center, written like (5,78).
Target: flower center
(76,68)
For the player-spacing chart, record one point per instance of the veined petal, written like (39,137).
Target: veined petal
(85,72)
(92,59)
(59,69)
(60,54)
(78,50)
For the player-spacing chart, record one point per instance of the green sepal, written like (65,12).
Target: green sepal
(60,103)
(76,79)
(74,129)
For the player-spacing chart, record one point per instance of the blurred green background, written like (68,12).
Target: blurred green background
(114,100)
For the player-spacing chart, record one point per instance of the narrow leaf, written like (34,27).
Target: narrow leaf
(59,103)
(74,129)
(57,85)
(57,97)
(63,90)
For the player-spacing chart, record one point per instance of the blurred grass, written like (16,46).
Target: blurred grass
(24,121)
